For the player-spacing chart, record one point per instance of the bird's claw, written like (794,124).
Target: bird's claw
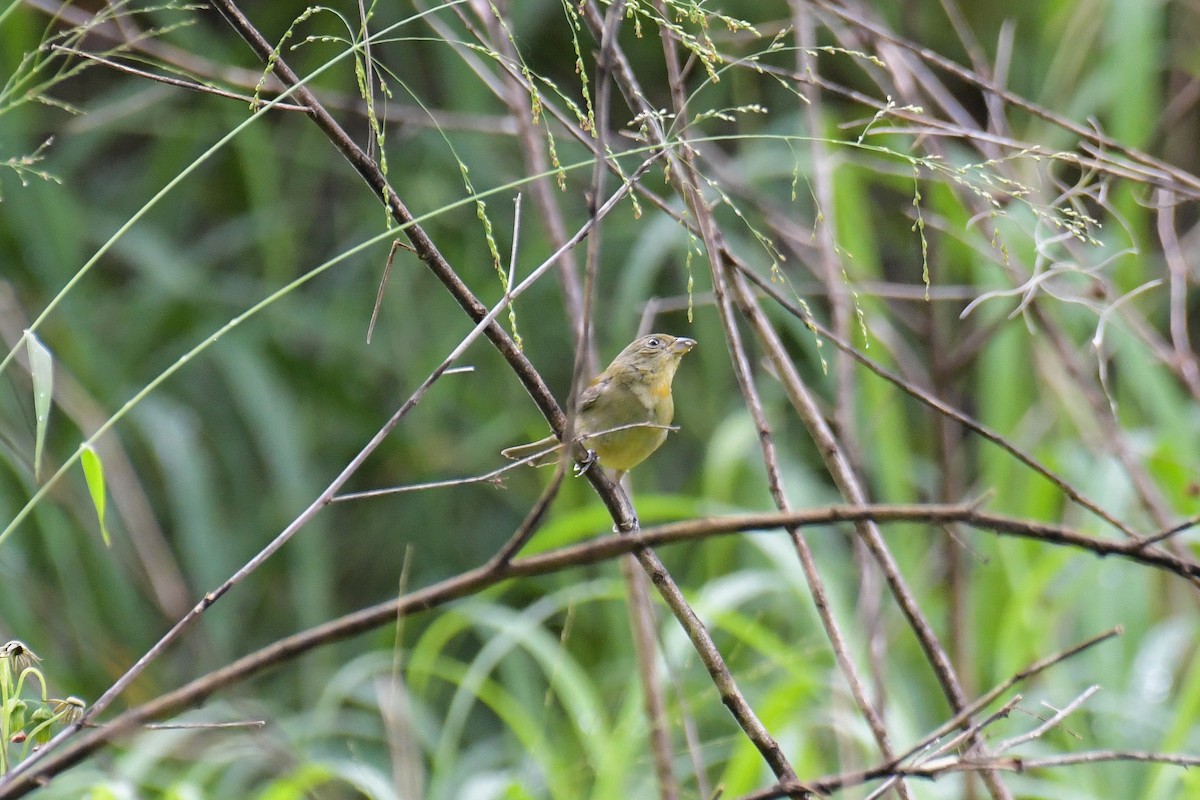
(583,466)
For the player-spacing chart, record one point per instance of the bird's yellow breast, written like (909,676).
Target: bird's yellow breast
(630,397)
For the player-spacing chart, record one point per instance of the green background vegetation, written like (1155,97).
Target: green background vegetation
(531,690)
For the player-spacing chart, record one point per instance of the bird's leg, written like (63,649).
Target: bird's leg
(583,466)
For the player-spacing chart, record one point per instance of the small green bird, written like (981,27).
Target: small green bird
(635,388)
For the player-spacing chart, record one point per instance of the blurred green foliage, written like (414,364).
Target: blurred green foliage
(530,690)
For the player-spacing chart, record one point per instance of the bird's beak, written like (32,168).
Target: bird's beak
(682,345)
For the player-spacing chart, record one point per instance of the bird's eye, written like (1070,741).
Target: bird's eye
(654,343)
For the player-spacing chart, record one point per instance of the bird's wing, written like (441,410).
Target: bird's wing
(593,392)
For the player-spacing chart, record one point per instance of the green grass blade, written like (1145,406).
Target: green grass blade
(41,369)
(93,472)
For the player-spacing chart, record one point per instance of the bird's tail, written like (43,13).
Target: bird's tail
(546,450)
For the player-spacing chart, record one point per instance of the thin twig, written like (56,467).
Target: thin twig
(1184,362)
(640,611)
(191,86)
(1053,721)
(532,521)
(512,92)
(936,404)
(683,175)
(833,278)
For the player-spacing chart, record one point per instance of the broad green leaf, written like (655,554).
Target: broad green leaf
(93,471)
(41,368)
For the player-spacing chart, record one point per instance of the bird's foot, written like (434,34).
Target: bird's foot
(583,466)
